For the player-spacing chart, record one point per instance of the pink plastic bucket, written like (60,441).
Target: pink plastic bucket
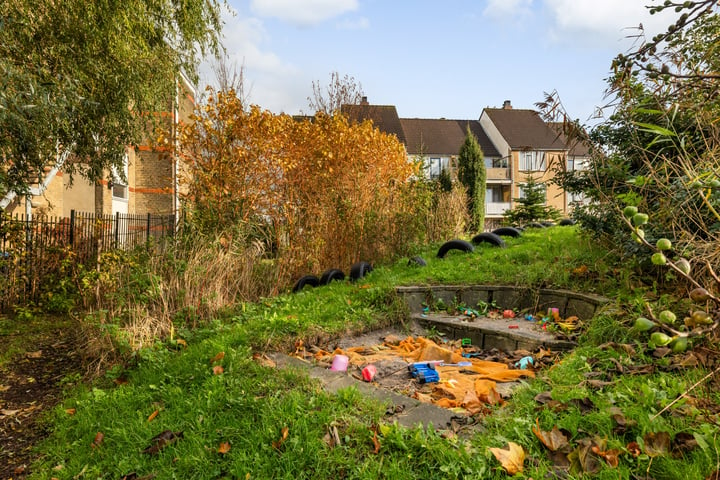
(339,363)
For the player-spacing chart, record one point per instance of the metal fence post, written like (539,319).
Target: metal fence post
(117,228)
(147,236)
(72,228)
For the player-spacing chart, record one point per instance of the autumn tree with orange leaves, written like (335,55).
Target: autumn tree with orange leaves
(331,192)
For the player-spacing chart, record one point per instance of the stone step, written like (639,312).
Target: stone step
(487,333)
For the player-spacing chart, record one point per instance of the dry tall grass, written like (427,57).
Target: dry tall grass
(449,218)
(146,297)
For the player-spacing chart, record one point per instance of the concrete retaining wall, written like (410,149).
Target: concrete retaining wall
(569,303)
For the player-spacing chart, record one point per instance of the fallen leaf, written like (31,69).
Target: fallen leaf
(584,404)
(224,447)
(218,370)
(621,423)
(581,270)
(121,381)
(634,449)
(264,360)
(597,384)
(283,436)
(182,342)
(376,442)
(332,437)
(582,459)
(153,415)
(656,443)
(217,357)
(543,398)
(162,440)
(610,456)
(99,436)
(554,440)
(37,354)
(511,459)
(8,413)
(70,411)
(20,470)
(684,442)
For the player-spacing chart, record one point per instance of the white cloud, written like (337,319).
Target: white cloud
(361,23)
(264,71)
(603,23)
(507,9)
(303,12)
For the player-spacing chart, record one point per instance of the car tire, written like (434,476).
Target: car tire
(456,244)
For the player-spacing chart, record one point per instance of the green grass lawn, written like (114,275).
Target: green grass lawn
(252,421)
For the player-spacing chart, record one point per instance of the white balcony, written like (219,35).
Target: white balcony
(496,209)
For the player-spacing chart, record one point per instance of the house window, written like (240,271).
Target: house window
(532,161)
(496,162)
(119,182)
(433,167)
(119,192)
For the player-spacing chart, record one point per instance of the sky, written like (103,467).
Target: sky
(433,58)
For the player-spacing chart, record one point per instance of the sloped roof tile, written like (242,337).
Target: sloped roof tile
(384,117)
(524,129)
(443,137)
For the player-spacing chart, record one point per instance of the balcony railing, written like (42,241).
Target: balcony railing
(496,208)
(498,173)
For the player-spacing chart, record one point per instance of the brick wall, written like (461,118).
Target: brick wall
(153,188)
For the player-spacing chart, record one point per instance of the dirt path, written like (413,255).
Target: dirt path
(31,384)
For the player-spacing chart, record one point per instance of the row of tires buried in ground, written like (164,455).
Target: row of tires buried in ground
(357,271)
(360,269)
(493,238)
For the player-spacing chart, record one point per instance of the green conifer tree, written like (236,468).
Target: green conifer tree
(472,174)
(531,207)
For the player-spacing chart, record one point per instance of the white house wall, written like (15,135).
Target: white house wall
(494,135)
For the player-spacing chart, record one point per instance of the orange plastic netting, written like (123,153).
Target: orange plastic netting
(468,387)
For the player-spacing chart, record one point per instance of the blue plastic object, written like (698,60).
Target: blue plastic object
(524,362)
(428,376)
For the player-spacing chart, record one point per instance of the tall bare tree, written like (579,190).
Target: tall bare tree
(340,91)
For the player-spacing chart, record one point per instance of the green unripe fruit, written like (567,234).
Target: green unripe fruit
(701,318)
(643,324)
(679,344)
(638,235)
(663,244)
(658,259)
(684,266)
(660,339)
(630,211)
(640,219)
(714,183)
(666,316)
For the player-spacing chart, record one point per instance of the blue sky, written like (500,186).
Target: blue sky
(433,58)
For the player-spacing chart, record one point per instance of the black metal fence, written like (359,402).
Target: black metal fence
(36,250)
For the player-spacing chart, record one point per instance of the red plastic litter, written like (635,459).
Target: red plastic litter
(369,373)
(513,326)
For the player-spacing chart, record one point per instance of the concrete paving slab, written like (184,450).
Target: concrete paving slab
(406,411)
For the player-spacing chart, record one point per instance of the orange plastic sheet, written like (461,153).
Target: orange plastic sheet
(469,387)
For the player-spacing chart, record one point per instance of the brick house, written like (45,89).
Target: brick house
(151,177)
(515,143)
(531,148)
